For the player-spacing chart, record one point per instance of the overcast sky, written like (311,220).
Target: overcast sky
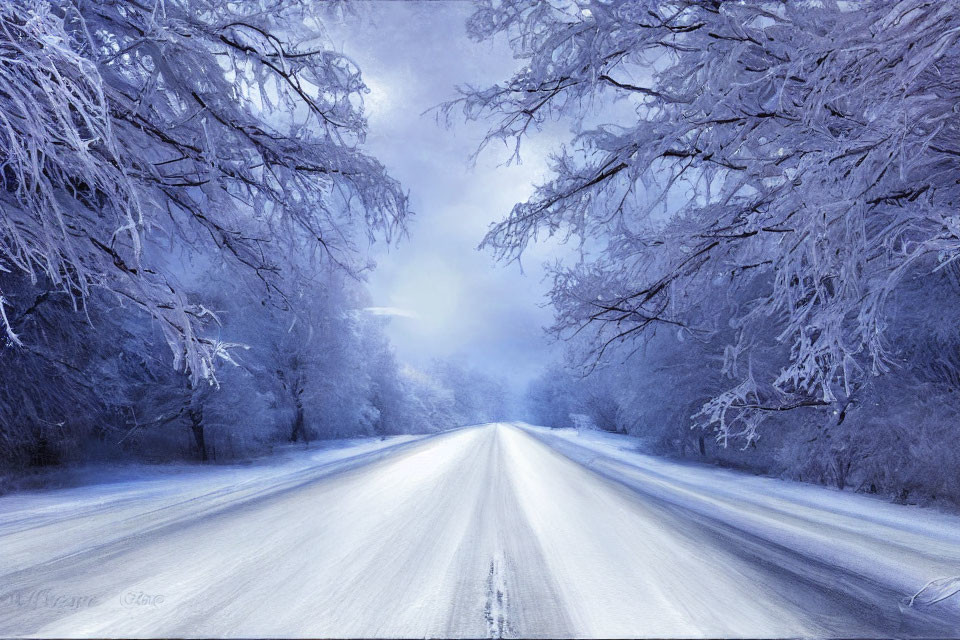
(450,300)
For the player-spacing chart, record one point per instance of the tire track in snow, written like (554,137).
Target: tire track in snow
(503,582)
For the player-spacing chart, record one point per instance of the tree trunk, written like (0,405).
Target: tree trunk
(298,430)
(43,452)
(703,446)
(196,426)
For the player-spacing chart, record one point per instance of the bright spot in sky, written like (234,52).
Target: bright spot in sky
(444,298)
(390,311)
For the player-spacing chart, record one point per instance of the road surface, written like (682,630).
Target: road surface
(480,532)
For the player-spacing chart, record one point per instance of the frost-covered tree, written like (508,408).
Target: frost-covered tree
(476,396)
(801,156)
(185,175)
(226,127)
(391,394)
(561,393)
(320,365)
(550,398)
(48,395)
(431,403)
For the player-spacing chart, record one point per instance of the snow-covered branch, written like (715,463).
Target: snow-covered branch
(230,128)
(815,142)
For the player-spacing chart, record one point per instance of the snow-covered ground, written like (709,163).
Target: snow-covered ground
(891,551)
(117,502)
(484,531)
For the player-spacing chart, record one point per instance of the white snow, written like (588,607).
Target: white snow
(148,496)
(902,547)
(479,532)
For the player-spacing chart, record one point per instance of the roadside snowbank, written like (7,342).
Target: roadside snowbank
(149,497)
(898,548)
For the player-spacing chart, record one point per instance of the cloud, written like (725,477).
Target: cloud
(391,311)
(459,303)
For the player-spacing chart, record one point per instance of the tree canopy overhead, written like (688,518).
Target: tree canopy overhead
(800,156)
(229,128)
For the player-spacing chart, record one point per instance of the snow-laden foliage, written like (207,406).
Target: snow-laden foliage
(894,435)
(229,127)
(99,385)
(474,396)
(189,175)
(806,150)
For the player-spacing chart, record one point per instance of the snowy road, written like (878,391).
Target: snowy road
(479,532)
